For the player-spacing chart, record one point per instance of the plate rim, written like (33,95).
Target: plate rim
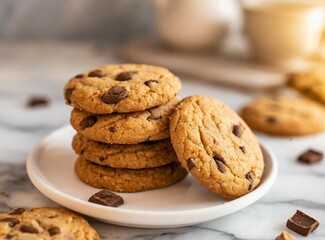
(79,205)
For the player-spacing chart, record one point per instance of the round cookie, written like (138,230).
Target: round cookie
(127,128)
(216,146)
(285,116)
(121,88)
(45,223)
(311,84)
(133,156)
(128,180)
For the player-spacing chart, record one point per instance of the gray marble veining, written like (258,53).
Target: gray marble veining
(25,73)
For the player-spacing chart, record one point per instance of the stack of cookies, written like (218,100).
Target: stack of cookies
(121,114)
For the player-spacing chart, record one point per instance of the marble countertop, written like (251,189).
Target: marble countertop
(29,69)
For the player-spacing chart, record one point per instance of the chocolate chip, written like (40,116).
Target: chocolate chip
(310,157)
(87,122)
(271,120)
(97,73)
(79,76)
(112,129)
(54,231)
(190,164)
(11,221)
(17,211)
(154,117)
(28,229)
(242,148)
(115,95)
(302,224)
(250,187)
(37,102)
(125,76)
(67,95)
(106,198)
(250,176)
(237,130)
(101,158)
(149,82)
(220,161)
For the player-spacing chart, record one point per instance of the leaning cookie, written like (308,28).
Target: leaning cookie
(132,156)
(285,116)
(127,128)
(45,223)
(128,180)
(216,146)
(121,88)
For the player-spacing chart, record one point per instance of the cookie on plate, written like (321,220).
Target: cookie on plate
(285,116)
(132,156)
(127,128)
(121,88)
(216,146)
(310,84)
(45,223)
(128,180)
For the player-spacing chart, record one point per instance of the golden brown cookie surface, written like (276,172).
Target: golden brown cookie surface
(45,223)
(216,146)
(127,128)
(132,156)
(285,116)
(121,88)
(128,180)
(310,84)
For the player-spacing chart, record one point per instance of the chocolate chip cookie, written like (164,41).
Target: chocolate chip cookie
(127,128)
(310,84)
(132,156)
(121,88)
(45,223)
(216,146)
(128,180)
(285,116)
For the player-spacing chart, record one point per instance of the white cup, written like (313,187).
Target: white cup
(283,33)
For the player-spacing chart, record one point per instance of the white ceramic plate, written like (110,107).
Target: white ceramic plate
(50,167)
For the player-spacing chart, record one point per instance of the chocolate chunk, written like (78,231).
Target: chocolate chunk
(237,130)
(97,73)
(302,223)
(250,187)
(28,229)
(271,120)
(37,102)
(242,148)
(125,76)
(54,231)
(11,221)
(250,176)
(102,158)
(67,95)
(154,117)
(190,164)
(112,129)
(115,95)
(17,211)
(149,82)
(88,122)
(79,76)
(107,198)
(220,161)
(310,157)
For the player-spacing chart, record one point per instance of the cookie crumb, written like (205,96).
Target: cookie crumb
(285,236)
